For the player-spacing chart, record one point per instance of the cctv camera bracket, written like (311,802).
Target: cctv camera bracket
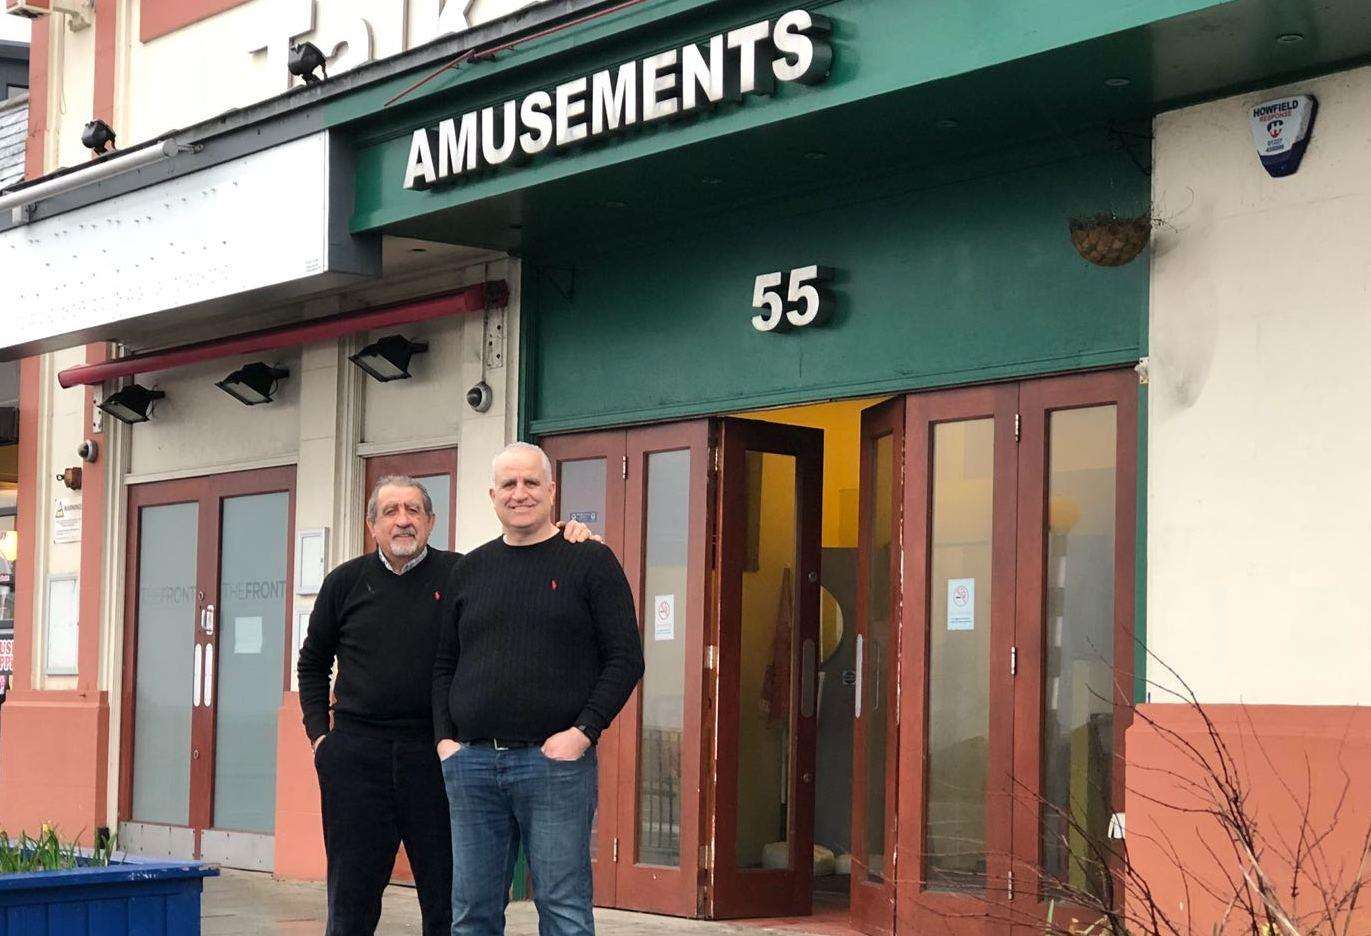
(79,13)
(494,338)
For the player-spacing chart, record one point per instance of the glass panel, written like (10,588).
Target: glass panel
(665,613)
(765,677)
(1078,717)
(959,654)
(251,660)
(440,491)
(581,493)
(878,701)
(167,609)
(581,496)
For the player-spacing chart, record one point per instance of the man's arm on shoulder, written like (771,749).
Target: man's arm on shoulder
(621,648)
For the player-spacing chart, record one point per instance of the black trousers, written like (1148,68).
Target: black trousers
(376,794)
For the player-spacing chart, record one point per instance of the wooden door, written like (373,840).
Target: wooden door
(589,469)
(875,753)
(664,726)
(769,515)
(647,491)
(1074,690)
(198,751)
(956,709)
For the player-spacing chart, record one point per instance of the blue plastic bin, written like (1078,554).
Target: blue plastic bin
(133,896)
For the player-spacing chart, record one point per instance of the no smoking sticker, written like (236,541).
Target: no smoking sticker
(664,617)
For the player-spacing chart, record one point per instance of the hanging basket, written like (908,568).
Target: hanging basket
(1108,241)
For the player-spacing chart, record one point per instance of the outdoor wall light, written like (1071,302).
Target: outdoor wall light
(253,383)
(388,358)
(132,404)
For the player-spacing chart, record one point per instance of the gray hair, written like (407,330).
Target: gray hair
(522,447)
(400,481)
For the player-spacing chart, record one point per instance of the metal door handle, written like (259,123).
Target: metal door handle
(860,644)
(198,669)
(807,679)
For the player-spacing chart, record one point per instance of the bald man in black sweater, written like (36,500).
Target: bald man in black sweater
(537,655)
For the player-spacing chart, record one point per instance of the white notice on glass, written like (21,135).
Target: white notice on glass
(961,604)
(664,617)
(247,635)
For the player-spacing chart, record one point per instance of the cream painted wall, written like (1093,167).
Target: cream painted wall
(200,427)
(238,57)
(1259,510)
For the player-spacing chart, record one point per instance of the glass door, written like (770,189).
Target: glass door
(770,506)
(647,492)
(1076,535)
(957,711)
(589,469)
(205,665)
(876,725)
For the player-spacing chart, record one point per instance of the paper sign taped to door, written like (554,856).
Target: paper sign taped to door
(664,617)
(247,635)
(961,604)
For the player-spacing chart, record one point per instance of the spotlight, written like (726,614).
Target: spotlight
(480,397)
(388,358)
(132,404)
(253,383)
(97,135)
(303,59)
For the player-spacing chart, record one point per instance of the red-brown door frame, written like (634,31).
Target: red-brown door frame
(1037,399)
(208,493)
(610,446)
(763,892)
(416,465)
(919,908)
(873,903)
(639,886)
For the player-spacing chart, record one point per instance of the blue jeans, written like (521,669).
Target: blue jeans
(499,798)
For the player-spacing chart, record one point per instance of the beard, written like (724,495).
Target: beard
(404,546)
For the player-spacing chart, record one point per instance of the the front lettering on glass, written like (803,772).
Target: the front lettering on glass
(804,300)
(745,61)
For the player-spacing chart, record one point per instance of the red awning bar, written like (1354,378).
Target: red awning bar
(492,294)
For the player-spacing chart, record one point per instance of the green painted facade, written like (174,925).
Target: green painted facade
(938,285)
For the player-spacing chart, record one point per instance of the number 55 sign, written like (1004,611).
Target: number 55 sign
(805,301)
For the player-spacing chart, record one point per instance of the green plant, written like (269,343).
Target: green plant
(46,852)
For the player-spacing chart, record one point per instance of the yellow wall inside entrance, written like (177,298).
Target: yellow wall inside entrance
(841,423)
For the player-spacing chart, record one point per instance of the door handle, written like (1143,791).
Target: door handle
(197,671)
(209,675)
(858,710)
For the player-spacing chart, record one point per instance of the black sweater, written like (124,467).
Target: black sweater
(383,629)
(536,639)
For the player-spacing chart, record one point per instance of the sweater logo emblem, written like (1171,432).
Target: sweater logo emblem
(554,584)
(437,596)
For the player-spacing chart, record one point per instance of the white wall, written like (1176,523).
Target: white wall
(1259,510)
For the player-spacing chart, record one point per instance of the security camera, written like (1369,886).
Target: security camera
(88,450)
(479,397)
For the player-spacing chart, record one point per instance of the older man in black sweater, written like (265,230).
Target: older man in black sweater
(379,781)
(539,652)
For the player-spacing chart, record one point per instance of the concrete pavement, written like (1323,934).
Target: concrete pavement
(245,903)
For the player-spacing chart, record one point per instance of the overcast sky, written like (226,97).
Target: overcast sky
(14,28)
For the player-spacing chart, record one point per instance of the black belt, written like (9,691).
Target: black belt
(500,744)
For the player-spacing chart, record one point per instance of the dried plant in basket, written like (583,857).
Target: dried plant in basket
(1109,241)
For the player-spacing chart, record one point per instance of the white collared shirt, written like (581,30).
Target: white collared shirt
(407,566)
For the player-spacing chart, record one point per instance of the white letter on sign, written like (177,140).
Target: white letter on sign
(419,172)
